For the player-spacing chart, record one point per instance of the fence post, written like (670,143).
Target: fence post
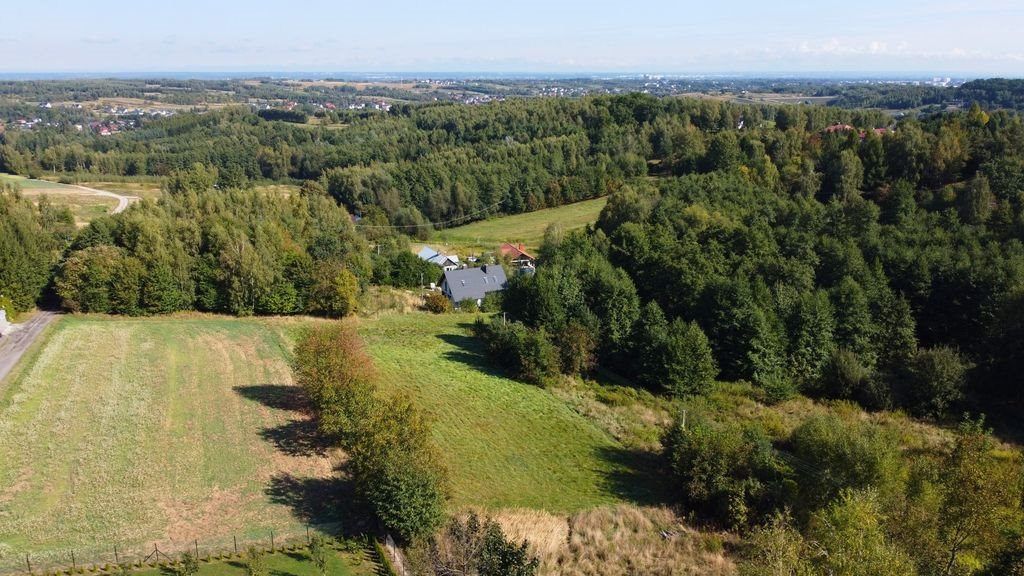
(308,541)
(271,541)
(197,549)
(235,539)
(117,559)
(74,567)
(28,564)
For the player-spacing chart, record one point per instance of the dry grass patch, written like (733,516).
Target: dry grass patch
(618,540)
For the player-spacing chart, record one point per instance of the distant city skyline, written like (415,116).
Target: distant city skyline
(946,37)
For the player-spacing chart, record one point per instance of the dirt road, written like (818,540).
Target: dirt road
(14,345)
(122,201)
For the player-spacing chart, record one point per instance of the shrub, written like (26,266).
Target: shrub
(492,302)
(469,305)
(255,562)
(480,546)
(577,344)
(188,566)
(529,354)
(834,454)
(843,375)
(850,537)
(728,473)
(935,379)
(382,557)
(318,553)
(437,303)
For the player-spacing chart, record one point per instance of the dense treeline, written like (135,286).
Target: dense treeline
(866,268)
(32,239)
(434,162)
(886,269)
(220,251)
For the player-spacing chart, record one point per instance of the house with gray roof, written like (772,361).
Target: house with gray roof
(446,262)
(473,283)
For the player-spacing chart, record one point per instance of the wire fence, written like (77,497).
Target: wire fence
(107,559)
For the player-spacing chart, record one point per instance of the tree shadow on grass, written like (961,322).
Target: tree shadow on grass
(276,396)
(322,502)
(637,476)
(470,351)
(298,437)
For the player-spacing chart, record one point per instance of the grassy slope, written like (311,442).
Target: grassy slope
(131,431)
(507,444)
(128,431)
(526,228)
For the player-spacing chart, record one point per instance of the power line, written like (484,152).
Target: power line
(434,224)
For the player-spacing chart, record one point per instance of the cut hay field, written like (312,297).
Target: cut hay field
(132,432)
(527,228)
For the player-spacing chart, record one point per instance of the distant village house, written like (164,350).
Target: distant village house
(428,254)
(517,254)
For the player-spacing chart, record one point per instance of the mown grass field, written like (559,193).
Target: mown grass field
(136,431)
(507,444)
(132,432)
(527,228)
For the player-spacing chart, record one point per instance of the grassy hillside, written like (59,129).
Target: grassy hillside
(135,431)
(527,228)
(507,444)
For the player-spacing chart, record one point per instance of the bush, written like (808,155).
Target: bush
(834,454)
(935,379)
(437,303)
(492,302)
(481,546)
(528,354)
(469,305)
(7,304)
(382,557)
(728,473)
(255,562)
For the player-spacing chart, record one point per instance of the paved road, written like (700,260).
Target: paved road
(16,343)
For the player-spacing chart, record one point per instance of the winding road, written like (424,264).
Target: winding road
(122,201)
(14,345)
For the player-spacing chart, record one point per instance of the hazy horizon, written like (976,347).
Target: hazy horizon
(733,37)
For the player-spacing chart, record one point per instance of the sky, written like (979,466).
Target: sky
(941,37)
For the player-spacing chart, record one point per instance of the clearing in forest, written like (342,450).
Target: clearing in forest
(527,228)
